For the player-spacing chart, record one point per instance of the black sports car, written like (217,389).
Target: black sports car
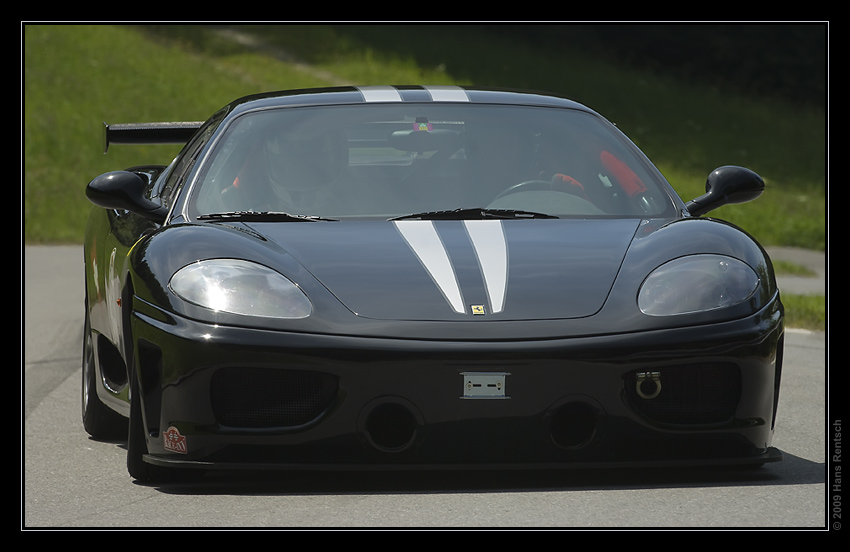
(412,277)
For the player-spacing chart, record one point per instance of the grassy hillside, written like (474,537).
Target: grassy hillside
(76,77)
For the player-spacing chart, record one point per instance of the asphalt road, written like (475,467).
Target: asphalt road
(71,481)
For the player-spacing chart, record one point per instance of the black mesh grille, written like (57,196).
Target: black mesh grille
(267,398)
(690,394)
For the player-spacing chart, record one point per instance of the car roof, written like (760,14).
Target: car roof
(347,95)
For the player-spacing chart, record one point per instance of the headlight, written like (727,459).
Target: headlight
(240,287)
(695,284)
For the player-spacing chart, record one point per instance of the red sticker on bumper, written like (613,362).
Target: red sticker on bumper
(173,441)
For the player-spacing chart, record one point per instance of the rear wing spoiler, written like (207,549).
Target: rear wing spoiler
(148,133)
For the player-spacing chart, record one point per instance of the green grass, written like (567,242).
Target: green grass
(76,77)
(805,311)
(792,269)
(802,311)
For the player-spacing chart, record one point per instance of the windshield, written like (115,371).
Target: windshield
(423,160)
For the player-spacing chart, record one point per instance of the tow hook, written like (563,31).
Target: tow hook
(648,384)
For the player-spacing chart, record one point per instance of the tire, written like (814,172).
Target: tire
(99,421)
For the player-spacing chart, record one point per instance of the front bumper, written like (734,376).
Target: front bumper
(227,397)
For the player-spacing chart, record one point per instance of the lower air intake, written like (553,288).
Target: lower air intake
(269,398)
(693,394)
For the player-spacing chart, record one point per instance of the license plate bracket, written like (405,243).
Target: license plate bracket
(484,385)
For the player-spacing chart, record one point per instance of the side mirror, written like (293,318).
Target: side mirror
(727,185)
(124,190)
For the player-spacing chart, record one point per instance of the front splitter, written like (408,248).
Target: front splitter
(771,454)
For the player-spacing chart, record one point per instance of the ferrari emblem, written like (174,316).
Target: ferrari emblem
(478,309)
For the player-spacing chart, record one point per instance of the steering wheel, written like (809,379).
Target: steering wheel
(524,187)
(559,182)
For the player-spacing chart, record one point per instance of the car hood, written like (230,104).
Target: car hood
(452,270)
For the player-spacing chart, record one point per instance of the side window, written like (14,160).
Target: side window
(187,157)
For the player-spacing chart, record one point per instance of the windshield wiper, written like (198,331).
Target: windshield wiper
(477,213)
(263,216)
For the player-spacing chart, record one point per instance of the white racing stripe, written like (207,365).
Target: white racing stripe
(491,251)
(488,239)
(379,93)
(391,94)
(423,239)
(447,93)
